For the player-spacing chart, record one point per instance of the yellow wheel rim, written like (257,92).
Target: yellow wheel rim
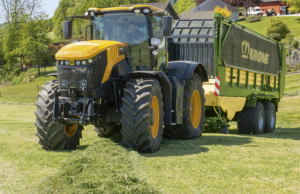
(195,109)
(155,117)
(70,131)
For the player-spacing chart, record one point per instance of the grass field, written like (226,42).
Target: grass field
(213,163)
(261,26)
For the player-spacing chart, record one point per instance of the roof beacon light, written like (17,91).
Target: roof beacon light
(146,10)
(137,11)
(86,13)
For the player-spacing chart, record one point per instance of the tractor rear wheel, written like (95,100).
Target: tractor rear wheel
(193,112)
(251,120)
(142,115)
(53,136)
(108,130)
(270,117)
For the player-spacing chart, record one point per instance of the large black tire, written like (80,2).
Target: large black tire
(53,136)
(187,130)
(251,120)
(142,115)
(108,130)
(270,117)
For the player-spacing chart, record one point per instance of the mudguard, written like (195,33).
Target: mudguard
(184,70)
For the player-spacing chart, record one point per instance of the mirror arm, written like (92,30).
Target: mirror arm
(86,31)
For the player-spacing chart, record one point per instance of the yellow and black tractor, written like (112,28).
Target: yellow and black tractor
(120,80)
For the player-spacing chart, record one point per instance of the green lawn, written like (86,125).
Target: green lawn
(213,163)
(261,26)
(25,93)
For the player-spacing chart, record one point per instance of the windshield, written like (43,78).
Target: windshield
(258,10)
(122,27)
(127,28)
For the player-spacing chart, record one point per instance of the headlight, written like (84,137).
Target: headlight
(64,84)
(90,60)
(83,84)
(67,63)
(146,10)
(61,62)
(83,62)
(77,62)
(137,11)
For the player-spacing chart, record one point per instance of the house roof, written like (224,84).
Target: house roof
(209,5)
(198,15)
(162,5)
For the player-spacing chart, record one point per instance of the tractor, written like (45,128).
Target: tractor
(120,79)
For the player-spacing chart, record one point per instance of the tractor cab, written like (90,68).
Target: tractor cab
(138,28)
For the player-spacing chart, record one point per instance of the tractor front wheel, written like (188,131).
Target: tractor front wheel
(53,136)
(142,115)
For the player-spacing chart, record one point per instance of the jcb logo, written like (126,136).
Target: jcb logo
(254,55)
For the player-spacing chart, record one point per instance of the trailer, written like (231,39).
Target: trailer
(246,72)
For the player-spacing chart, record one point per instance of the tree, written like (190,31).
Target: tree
(294,5)
(9,6)
(35,40)
(278,26)
(30,6)
(12,37)
(224,11)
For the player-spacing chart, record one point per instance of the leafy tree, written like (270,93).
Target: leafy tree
(12,37)
(243,3)
(35,40)
(276,36)
(278,26)
(294,5)
(224,11)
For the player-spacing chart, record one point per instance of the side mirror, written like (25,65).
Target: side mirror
(67,29)
(167,25)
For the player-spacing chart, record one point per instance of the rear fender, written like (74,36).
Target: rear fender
(184,70)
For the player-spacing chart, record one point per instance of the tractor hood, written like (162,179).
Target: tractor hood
(86,49)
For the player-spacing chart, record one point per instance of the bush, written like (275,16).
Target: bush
(276,36)
(278,26)
(252,19)
(295,44)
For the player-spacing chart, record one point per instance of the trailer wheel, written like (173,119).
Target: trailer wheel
(193,112)
(270,117)
(142,115)
(251,120)
(107,130)
(53,136)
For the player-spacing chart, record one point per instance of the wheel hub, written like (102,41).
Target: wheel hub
(273,118)
(152,116)
(260,120)
(70,131)
(195,109)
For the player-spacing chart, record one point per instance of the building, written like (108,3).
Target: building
(162,5)
(278,6)
(206,10)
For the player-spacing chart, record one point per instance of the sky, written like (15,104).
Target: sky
(49,6)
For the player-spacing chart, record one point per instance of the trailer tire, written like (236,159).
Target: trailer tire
(107,130)
(51,135)
(251,120)
(142,115)
(270,117)
(190,129)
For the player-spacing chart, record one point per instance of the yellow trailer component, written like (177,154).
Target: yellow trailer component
(230,105)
